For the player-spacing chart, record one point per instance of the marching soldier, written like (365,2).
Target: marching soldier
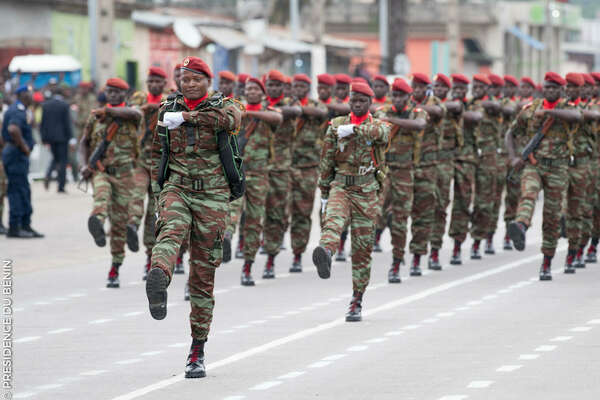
(227,83)
(325,88)
(526,90)
(594,231)
(193,197)
(547,169)
(349,187)
(381,88)
(109,149)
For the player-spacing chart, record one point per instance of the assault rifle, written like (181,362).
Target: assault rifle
(531,147)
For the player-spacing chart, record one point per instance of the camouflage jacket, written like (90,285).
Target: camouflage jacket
(259,137)
(147,125)
(506,121)
(451,135)
(123,149)
(193,150)
(309,138)
(284,139)
(430,139)
(585,142)
(403,147)
(352,155)
(488,130)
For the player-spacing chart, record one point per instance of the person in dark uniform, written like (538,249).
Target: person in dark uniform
(18,139)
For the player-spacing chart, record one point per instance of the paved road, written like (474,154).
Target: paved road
(484,330)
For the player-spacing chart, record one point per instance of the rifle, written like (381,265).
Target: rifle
(244,136)
(150,127)
(530,148)
(95,161)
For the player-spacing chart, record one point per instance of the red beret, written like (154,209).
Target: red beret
(575,78)
(274,75)
(242,77)
(401,85)
(511,79)
(257,81)
(363,88)
(554,77)
(38,97)
(482,78)
(197,65)
(326,79)
(420,77)
(288,79)
(360,79)
(381,78)
(86,85)
(230,76)
(496,80)
(444,79)
(178,66)
(460,78)
(157,71)
(117,83)
(596,76)
(589,79)
(303,78)
(528,81)
(342,78)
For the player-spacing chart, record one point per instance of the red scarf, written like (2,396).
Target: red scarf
(396,111)
(359,120)
(527,98)
(328,101)
(380,100)
(273,101)
(347,99)
(575,102)
(550,106)
(152,99)
(417,101)
(253,107)
(192,104)
(118,105)
(304,101)
(514,98)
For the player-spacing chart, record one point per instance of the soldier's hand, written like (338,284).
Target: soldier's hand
(345,130)
(99,113)
(173,119)
(517,163)
(540,113)
(86,172)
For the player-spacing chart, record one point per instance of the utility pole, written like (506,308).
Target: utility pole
(397,17)
(548,37)
(318,57)
(101,14)
(453,28)
(295,26)
(384,35)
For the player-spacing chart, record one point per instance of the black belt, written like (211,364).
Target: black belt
(195,184)
(554,162)
(354,180)
(577,161)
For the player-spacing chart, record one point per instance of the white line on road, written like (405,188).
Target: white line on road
(24,395)
(100,321)
(561,338)
(376,340)
(61,330)
(508,368)
(474,303)
(394,333)
(266,385)
(180,344)
(357,348)
(444,314)
(454,397)
(334,357)
(41,303)
(592,322)
(50,386)
(292,375)
(93,372)
(479,384)
(133,313)
(27,339)
(550,347)
(581,329)
(462,308)
(410,327)
(130,361)
(489,297)
(234,398)
(319,364)
(529,356)
(151,353)
(503,291)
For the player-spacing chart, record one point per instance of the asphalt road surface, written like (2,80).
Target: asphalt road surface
(485,330)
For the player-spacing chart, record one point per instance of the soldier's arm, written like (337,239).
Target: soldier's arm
(509,138)
(472,117)
(572,116)
(228,118)
(273,118)
(492,107)
(436,112)
(454,107)
(156,151)
(339,108)
(317,111)
(591,115)
(327,165)
(376,132)
(290,112)
(125,113)
(84,143)
(416,124)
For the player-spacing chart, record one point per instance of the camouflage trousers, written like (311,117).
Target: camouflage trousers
(445,173)
(501,171)
(233,218)
(384,207)
(553,180)
(112,195)
(141,188)
(464,180)
(511,199)
(202,215)
(276,211)
(257,187)
(579,177)
(303,187)
(423,208)
(591,204)
(401,186)
(3,187)
(355,208)
(485,194)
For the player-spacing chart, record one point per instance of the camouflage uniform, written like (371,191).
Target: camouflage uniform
(352,195)
(550,174)
(513,186)
(112,187)
(403,151)
(82,105)
(502,167)
(590,133)
(194,200)
(304,176)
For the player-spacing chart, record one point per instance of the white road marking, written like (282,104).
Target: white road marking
(561,338)
(135,283)
(529,356)
(357,348)
(133,313)
(489,297)
(292,375)
(480,384)
(93,372)
(50,386)
(508,368)
(180,344)
(410,327)
(130,361)
(547,347)
(41,303)
(591,322)
(61,330)
(151,353)
(292,312)
(18,309)
(27,339)
(258,321)
(241,326)
(581,329)
(24,395)
(60,299)
(320,304)
(219,291)
(228,331)
(70,379)
(100,321)
(430,320)
(319,364)
(266,385)
(444,314)
(334,357)
(276,317)
(462,308)
(234,398)
(308,308)
(376,340)
(394,333)
(474,303)
(503,291)
(454,397)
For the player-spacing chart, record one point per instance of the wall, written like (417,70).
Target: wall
(25,30)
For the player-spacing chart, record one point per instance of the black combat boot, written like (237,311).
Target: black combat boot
(246,279)
(269,272)
(475,252)
(354,311)
(156,291)
(578,263)
(97,230)
(415,268)
(239,253)
(297,264)
(341,254)
(227,247)
(179,268)
(113,276)
(569,268)
(194,367)
(591,252)
(507,243)
(186,291)
(394,272)
(376,245)
(132,238)
(546,269)
(456,259)
(489,245)
(322,259)
(516,232)
(434,260)
(146,268)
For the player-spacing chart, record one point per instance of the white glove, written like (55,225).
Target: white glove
(323,205)
(345,130)
(173,119)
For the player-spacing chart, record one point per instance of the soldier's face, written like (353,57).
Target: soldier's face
(380,88)
(359,104)
(254,93)
(226,86)
(587,91)
(551,91)
(114,96)
(177,78)
(459,91)
(399,99)
(288,90)
(440,90)
(240,88)
(324,91)
(572,91)
(156,84)
(478,90)
(419,90)
(342,90)
(193,85)
(526,90)
(494,91)
(509,90)
(300,89)
(274,88)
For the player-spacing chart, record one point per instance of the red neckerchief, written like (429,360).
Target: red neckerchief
(152,99)
(381,100)
(575,102)
(417,101)
(484,98)
(273,101)
(550,106)
(530,98)
(192,104)
(358,120)
(304,101)
(118,105)
(443,100)
(498,97)
(253,107)
(229,97)
(347,99)
(328,101)
(514,98)
(396,110)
